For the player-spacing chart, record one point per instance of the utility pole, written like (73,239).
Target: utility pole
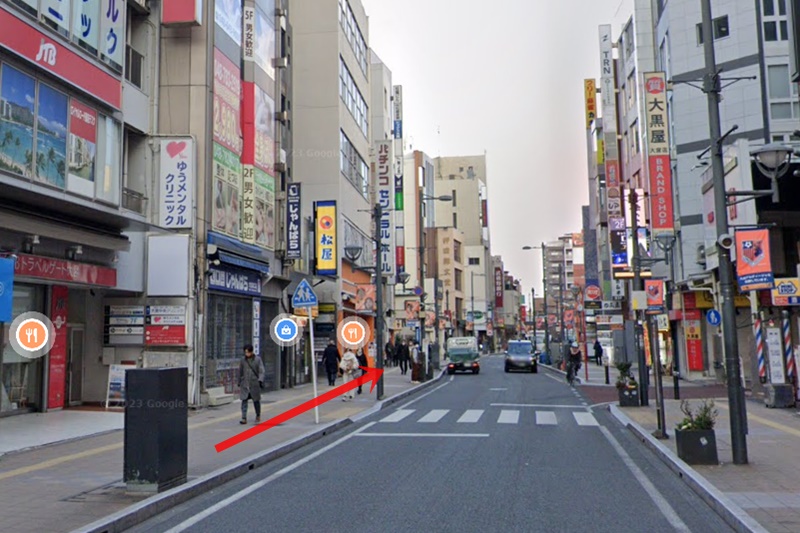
(546,316)
(637,286)
(472,300)
(561,281)
(436,319)
(712,88)
(422,335)
(533,315)
(377,214)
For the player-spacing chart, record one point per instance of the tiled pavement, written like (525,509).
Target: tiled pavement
(70,483)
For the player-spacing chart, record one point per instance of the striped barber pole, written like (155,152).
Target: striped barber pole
(762,364)
(787,348)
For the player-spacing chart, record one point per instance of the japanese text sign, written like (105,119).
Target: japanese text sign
(753,263)
(659,163)
(325,235)
(590,101)
(499,285)
(293,240)
(385,182)
(176,181)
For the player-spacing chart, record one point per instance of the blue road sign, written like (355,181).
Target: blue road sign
(286,330)
(713,317)
(304,295)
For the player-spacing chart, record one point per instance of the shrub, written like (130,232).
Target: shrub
(625,380)
(703,417)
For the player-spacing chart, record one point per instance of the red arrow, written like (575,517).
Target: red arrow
(372,374)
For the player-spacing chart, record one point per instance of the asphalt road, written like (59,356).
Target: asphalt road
(485,453)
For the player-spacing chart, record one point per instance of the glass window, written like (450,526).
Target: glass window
(778,76)
(230,327)
(108,167)
(21,377)
(769,8)
(770,31)
(782,7)
(17,97)
(51,137)
(86,24)
(781,111)
(721,28)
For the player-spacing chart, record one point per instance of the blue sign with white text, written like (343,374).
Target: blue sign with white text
(223,278)
(6,289)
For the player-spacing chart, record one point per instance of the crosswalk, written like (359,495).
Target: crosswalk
(505,416)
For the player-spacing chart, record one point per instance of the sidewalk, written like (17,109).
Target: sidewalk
(767,488)
(74,476)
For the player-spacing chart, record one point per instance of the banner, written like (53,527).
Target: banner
(325,235)
(176,176)
(499,286)
(659,163)
(399,222)
(753,263)
(227,172)
(385,185)
(57,358)
(81,149)
(365,297)
(590,101)
(6,289)
(654,289)
(294,248)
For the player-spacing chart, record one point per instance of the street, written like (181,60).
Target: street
(492,452)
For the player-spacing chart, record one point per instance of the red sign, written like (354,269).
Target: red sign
(34,266)
(753,262)
(227,103)
(654,288)
(400,257)
(57,364)
(661,193)
(46,53)
(499,285)
(165,335)
(694,344)
(612,174)
(83,121)
(179,12)
(523,313)
(593,292)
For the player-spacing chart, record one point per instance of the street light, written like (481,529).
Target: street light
(773,161)
(472,298)
(543,248)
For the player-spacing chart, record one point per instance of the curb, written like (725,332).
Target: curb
(731,513)
(136,514)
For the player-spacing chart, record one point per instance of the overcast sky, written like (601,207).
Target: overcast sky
(505,77)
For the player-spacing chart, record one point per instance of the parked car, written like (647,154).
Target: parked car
(520,355)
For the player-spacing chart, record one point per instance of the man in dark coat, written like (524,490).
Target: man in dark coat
(330,360)
(362,361)
(389,354)
(402,357)
(598,352)
(251,379)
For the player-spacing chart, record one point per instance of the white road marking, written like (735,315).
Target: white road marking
(662,504)
(508,417)
(437,435)
(498,389)
(256,486)
(398,415)
(418,398)
(549,406)
(471,415)
(546,418)
(585,419)
(556,379)
(452,378)
(434,416)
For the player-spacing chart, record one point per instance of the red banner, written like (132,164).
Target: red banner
(661,216)
(34,266)
(83,121)
(57,358)
(46,53)
(654,288)
(165,335)
(753,262)
(499,286)
(227,103)
(694,345)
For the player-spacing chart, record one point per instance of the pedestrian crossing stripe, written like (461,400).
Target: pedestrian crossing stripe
(506,416)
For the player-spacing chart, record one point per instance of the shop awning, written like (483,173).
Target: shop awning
(241,262)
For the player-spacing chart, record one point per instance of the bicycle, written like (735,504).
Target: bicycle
(572,371)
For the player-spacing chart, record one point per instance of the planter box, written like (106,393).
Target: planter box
(628,397)
(697,447)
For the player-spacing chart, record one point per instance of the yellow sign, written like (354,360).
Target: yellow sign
(786,291)
(704,300)
(303,311)
(601,156)
(325,236)
(590,101)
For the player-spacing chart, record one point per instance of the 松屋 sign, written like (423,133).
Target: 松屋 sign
(659,164)
(176,177)
(385,182)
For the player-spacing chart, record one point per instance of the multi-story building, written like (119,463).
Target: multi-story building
(512,303)
(447,268)
(332,141)
(465,179)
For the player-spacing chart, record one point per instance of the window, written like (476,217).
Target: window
(137,41)
(474,261)
(636,146)
(783,103)
(628,38)
(459,279)
(352,98)
(776,26)
(134,173)
(353,34)
(719,26)
(630,87)
(353,166)
(457,251)
(454,198)
(455,220)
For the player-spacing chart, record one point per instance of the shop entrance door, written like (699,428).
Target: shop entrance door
(75,365)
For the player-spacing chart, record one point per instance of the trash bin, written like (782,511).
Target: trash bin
(156,429)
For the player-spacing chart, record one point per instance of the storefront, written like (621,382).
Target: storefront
(21,379)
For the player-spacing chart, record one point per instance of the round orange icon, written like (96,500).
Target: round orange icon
(32,334)
(354,333)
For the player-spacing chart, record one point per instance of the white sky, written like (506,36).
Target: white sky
(506,77)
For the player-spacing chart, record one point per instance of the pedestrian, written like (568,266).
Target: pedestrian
(389,353)
(598,352)
(349,366)
(402,357)
(251,379)
(574,360)
(415,362)
(362,362)
(330,360)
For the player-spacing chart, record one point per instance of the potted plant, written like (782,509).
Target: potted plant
(695,439)
(627,388)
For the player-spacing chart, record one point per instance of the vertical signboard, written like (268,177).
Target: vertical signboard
(81,149)
(753,262)
(775,353)
(659,164)
(249,34)
(498,288)
(57,365)
(112,31)
(228,143)
(325,235)
(385,183)
(399,225)
(293,240)
(590,101)
(176,176)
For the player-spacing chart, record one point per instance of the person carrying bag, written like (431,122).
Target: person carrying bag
(349,367)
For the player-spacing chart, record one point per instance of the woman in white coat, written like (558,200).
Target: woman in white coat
(349,366)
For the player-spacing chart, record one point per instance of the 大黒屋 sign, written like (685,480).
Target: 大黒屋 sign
(659,164)
(176,179)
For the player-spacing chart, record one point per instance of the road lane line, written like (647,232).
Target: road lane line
(546,418)
(398,415)
(414,435)
(434,416)
(471,416)
(549,406)
(498,389)
(662,504)
(585,419)
(508,417)
(418,398)
(255,486)
(556,379)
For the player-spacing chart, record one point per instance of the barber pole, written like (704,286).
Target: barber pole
(787,349)
(762,365)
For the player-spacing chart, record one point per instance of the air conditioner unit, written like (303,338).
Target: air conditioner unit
(280,62)
(700,255)
(282,116)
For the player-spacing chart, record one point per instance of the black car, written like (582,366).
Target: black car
(520,355)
